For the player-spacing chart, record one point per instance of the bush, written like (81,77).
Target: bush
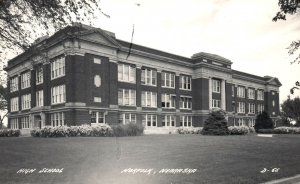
(238,130)
(287,130)
(216,124)
(263,121)
(131,129)
(265,131)
(9,133)
(189,130)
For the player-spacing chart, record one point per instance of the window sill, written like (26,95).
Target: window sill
(168,87)
(185,89)
(149,85)
(57,77)
(127,82)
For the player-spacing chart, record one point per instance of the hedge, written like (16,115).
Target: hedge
(9,133)
(189,130)
(130,129)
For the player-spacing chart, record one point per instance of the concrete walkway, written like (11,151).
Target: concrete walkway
(290,180)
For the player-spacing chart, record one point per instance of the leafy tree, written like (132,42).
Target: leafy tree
(291,109)
(290,7)
(23,21)
(3,104)
(216,124)
(263,121)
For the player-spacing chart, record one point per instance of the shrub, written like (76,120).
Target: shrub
(9,133)
(287,130)
(216,124)
(130,129)
(238,130)
(265,131)
(263,121)
(189,130)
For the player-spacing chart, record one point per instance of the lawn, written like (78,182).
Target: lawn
(92,160)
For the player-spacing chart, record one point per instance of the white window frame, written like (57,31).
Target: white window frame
(14,84)
(97,117)
(260,94)
(39,75)
(169,121)
(185,102)
(57,119)
(58,94)
(216,86)
(241,107)
(149,77)
(260,108)
(185,82)
(14,123)
(241,92)
(216,103)
(168,101)
(123,76)
(251,93)
(232,90)
(241,122)
(126,118)
(251,109)
(123,93)
(151,118)
(14,104)
(186,121)
(58,68)
(149,99)
(26,122)
(26,101)
(40,98)
(25,80)
(251,122)
(165,77)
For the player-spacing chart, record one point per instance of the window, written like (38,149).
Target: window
(126,97)
(14,124)
(251,93)
(233,106)
(251,122)
(58,94)
(260,108)
(40,98)
(168,80)
(58,68)
(149,120)
(251,108)
(14,104)
(126,118)
(185,102)
(185,82)
(169,121)
(14,84)
(126,73)
(149,77)
(168,101)
(25,122)
(26,101)
(216,86)
(216,103)
(241,107)
(241,92)
(241,122)
(57,119)
(149,99)
(39,75)
(25,80)
(232,90)
(97,117)
(186,121)
(97,60)
(260,95)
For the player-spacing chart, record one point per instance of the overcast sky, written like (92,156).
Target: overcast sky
(239,30)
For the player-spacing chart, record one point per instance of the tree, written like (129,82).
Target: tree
(290,7)
(291,109)
(216,124)
(23,21)
(3,104)
(263,121)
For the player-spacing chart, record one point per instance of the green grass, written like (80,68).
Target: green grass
(92,160)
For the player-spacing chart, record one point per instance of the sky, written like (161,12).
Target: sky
(242,31)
